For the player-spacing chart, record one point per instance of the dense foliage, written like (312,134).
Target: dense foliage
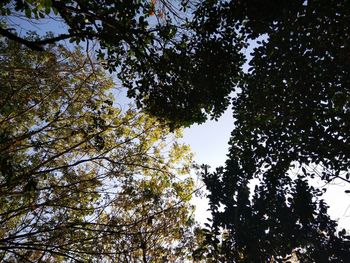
(173,69)
(80,179)
(292,111)
(294,104)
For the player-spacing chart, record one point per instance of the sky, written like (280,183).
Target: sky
(209,143)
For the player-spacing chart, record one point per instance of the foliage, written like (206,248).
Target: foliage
(80,179)
(280,219)
(294,104)
(172,68)
(292,109)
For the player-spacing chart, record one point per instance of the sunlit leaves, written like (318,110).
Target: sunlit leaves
(81,179)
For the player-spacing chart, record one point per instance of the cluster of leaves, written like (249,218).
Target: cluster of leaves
(81,180)
(295,102)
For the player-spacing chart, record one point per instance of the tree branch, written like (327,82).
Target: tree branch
(63,37)
(32,45)
(38,44)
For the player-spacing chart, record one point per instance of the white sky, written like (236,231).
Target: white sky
(209,142)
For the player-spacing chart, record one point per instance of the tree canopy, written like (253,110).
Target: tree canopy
(80,179)
(181,61)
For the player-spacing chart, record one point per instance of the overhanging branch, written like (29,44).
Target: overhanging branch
(37,45)
(32,45)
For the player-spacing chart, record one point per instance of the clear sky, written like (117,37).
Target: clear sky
(210,140)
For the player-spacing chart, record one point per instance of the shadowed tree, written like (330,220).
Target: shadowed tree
(292,109)
(281,219)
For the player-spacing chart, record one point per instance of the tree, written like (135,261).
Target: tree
(292,110)
(80,179)
(281,219)
(172,68)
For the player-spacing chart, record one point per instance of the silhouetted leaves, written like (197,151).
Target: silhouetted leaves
(294,104)
(292,109)
(281,217)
